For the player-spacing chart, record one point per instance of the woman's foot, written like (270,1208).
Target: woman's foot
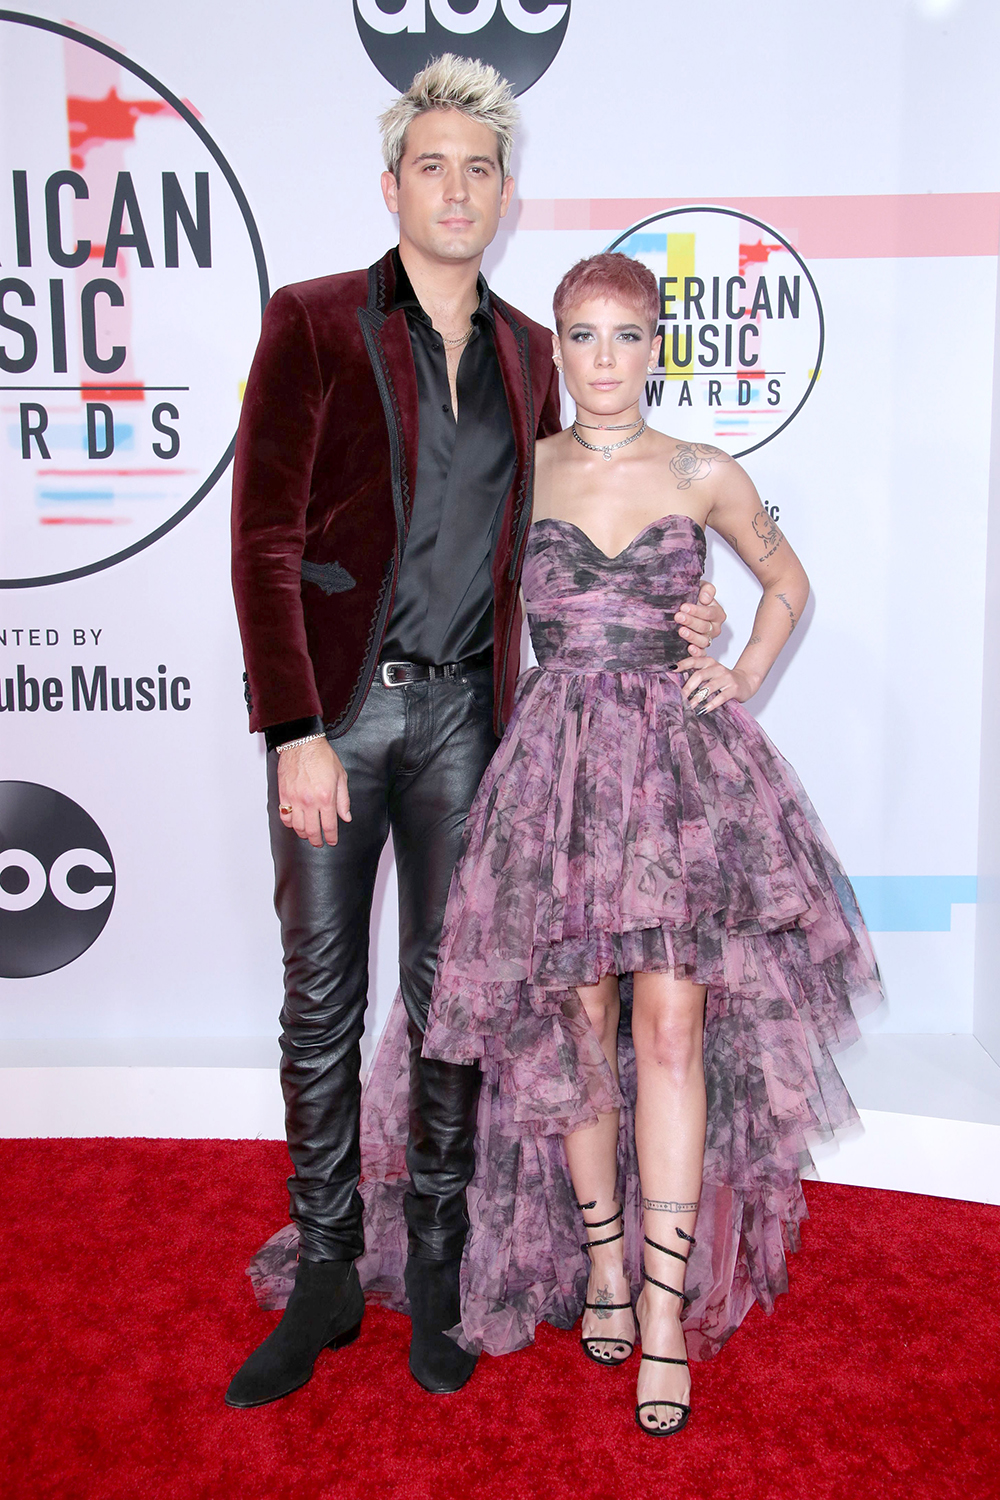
(608,1333)
(666,1385)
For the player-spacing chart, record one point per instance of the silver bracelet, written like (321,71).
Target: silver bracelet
(305,740)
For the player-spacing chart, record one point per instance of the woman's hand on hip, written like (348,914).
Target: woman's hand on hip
(710,684)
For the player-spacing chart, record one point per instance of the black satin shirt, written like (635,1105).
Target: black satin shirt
(443,610)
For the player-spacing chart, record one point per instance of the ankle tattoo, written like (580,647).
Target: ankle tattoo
(667,1207)
(602,1299)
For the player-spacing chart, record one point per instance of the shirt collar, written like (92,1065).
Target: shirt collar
(405,297)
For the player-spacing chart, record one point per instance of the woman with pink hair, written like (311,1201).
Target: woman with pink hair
(650,944)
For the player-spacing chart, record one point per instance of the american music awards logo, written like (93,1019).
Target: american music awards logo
(519,38)
(131,285)
(741,322)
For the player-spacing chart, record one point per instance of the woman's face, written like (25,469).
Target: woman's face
(606,351)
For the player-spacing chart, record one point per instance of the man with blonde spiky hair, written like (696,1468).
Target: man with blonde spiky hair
(382,496)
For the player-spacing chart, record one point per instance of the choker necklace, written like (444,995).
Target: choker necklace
(604,426)
(606,449)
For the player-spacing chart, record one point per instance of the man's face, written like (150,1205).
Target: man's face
(450,196)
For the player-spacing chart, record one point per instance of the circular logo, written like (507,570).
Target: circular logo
(741,323)
(131,281)
(517,37)
(57,880)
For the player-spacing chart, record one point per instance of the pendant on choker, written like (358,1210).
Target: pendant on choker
(606,449)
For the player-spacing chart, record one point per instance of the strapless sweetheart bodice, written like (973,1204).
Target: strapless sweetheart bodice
(589,612)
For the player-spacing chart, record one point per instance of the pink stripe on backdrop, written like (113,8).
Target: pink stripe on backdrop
(820,228)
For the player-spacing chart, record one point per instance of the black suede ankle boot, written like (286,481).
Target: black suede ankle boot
(436,1361)
(323,1312)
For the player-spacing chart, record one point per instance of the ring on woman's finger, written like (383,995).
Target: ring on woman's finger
(283,809)
(700,694)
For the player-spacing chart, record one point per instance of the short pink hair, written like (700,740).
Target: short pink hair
(612,277)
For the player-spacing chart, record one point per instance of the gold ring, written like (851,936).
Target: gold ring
(283,809)
(700,695)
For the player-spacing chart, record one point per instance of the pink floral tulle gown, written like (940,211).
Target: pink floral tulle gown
(615,831)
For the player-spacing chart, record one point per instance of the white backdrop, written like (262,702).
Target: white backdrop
(866,134)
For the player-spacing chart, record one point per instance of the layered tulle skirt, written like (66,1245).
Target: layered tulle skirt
(616,832)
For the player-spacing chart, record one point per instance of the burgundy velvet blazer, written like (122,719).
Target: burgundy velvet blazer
(326,459)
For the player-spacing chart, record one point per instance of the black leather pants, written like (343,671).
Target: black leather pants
(414,758)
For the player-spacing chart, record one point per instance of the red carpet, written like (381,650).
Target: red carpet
(126,1311)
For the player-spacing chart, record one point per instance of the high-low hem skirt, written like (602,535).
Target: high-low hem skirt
(617,832)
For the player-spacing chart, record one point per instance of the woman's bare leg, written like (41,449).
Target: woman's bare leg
(667,1025)
(592,1153)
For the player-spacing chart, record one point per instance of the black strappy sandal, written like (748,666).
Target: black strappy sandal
(604,1359)
(660,1359)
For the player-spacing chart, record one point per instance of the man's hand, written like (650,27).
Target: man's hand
(701,623)
(312,792)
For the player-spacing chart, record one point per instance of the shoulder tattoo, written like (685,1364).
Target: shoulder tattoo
(694,461)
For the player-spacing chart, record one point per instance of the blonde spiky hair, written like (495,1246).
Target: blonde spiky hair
(450,82)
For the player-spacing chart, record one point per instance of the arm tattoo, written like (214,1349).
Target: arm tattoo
(668,1207)
(694,461)
(768,532)
(602,1301)
(792,622)
(754,640)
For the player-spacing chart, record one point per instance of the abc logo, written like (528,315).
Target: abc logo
(57,880)
(517,37)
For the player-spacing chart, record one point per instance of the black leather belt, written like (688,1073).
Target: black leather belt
(400,673)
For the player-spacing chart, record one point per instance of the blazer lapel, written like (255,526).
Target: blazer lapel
(387,343)
(512,353)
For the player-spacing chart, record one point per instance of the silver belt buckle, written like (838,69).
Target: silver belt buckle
(386,667)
